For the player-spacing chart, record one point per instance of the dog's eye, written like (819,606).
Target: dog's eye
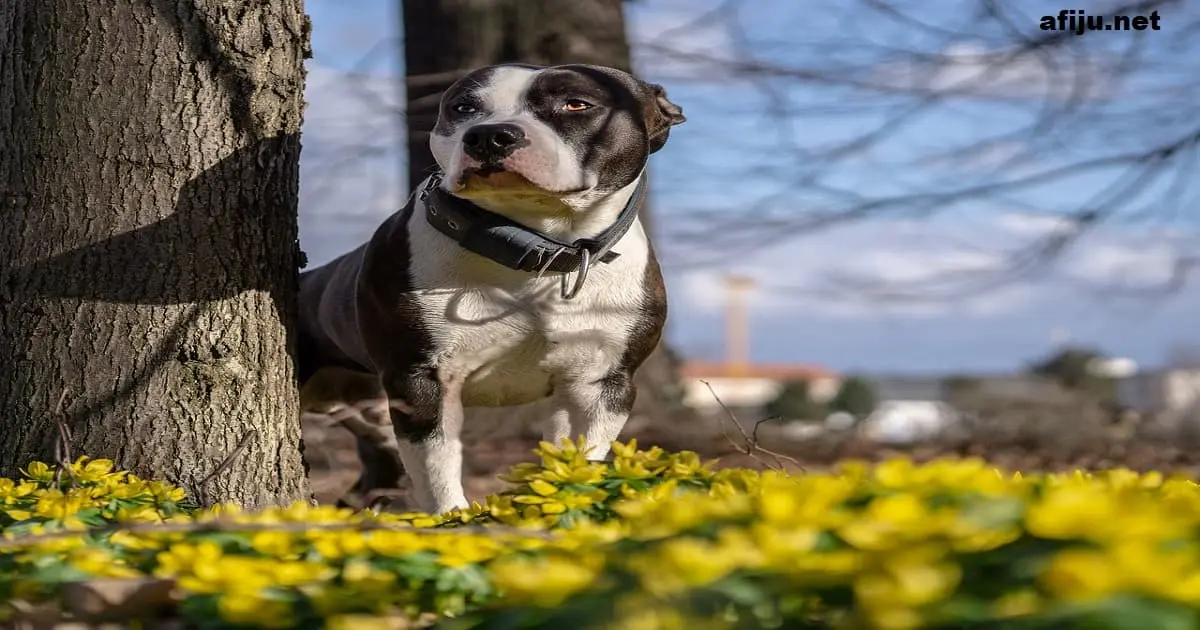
(576,105)
(464,108)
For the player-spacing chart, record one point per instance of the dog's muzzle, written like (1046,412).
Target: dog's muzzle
(490,143)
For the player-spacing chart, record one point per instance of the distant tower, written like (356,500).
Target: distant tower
(737,324)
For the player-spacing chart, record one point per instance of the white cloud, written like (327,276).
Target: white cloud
(1106,255)
(969,69)
(1130,265)
(891,268)
(1034,225)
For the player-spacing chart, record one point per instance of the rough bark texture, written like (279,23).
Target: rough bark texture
(148,256)
(445,38)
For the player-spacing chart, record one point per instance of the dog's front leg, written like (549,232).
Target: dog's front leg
(557,426)
(596,409)
(428,427)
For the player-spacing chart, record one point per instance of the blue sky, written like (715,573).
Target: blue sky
(752,150)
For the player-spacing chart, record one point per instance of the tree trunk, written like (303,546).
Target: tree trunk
(148,239)
(443,39)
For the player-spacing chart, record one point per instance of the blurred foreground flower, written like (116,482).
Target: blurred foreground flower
(650,540)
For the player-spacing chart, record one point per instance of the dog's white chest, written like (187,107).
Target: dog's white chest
(507,336)
(505,348)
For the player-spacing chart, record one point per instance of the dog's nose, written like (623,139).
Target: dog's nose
(488,143)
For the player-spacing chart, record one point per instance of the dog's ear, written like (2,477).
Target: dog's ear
(661,115)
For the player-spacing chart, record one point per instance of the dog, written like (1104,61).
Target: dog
(519,271)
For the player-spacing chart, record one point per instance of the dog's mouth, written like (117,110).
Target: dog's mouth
(491,177)
(495,179)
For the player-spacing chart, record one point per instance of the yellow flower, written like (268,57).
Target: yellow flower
(394,544)
(366,578)
(904,581)
(18,515)
(163,492)
(680,563)
(546,581)
(631,469)
(652,615)
(456,550)
(627,449)
(100,563)
(896,473)
(687,464)
(135,541)
(140,514)
(338,544)
(1074,511)
(1080,574)
(889,521)
(116,487)
(255,609)
(367,622)
(182,558)
(39,471)
(12,491)
(783,544)
(1017,603)
(779,500)
(894,618)
(585,472)
(218,512)
(57,505)
(296,572)
(91,471)
(274,543)
(543,488)
(1167,573)
(233,574)
(521,473)
(52,546)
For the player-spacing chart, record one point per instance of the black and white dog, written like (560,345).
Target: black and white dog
(518,272)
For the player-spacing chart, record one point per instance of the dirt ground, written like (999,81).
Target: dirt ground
(494,444)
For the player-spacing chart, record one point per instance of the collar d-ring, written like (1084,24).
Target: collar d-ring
(585,260)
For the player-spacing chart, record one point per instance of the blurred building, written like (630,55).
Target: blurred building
(908,421)
(747,387)
(1172,391)
(737,383)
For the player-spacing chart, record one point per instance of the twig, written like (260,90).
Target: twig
(222,525)
(751,440)
(228,461)
(62,446)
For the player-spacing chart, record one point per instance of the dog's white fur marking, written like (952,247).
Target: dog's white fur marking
(507,335)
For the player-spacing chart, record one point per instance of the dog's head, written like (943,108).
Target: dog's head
(564,132)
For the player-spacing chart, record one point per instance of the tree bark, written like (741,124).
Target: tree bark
(148,239)
(444,39)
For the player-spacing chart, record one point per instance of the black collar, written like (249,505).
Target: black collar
(518,247)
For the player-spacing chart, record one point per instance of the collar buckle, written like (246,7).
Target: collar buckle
(585,263)
(518,247)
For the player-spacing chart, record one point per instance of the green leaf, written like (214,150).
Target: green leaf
(92,517)
(1128,612)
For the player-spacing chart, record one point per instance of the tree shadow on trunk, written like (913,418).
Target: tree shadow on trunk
(233,229)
